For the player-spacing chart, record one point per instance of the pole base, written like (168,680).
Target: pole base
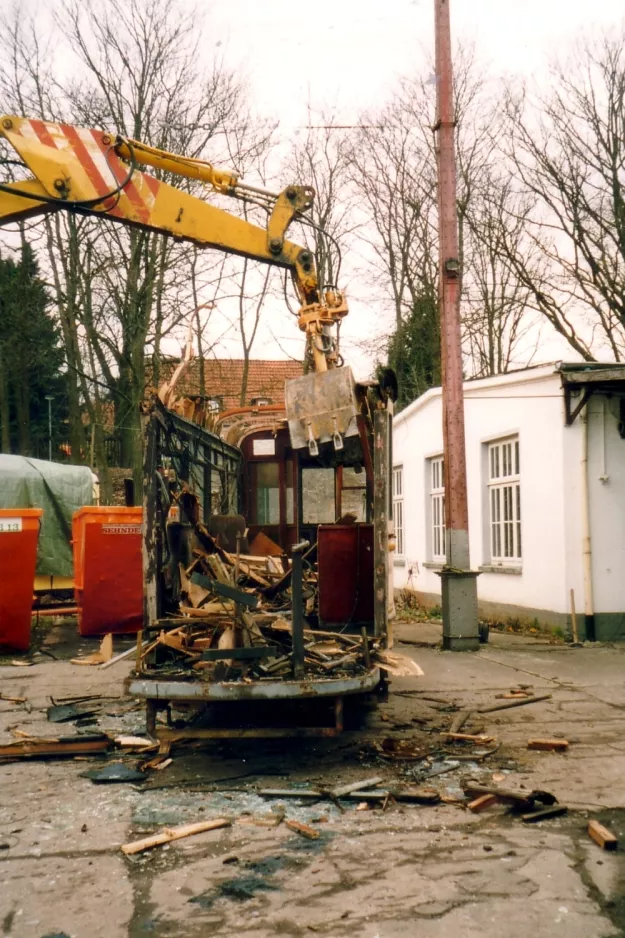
(460,620)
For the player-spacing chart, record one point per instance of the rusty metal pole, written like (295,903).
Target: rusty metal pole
(459,588)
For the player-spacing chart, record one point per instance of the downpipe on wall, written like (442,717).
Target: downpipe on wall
(589,612)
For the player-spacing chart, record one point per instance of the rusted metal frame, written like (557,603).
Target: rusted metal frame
(571,415)
(297,615)
(166,690)
(338,491)
(151,521)
(366,449)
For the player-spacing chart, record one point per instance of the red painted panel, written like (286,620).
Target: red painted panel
(108,571)
(345,562)
(18,558)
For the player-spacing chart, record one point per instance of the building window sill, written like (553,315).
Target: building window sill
(434,565)
(399,561)
(491,568)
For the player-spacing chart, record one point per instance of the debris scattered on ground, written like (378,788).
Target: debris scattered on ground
(173,833)
(514,703)
(20,663)
(602,836)
(410,795)
(521,800)
(481,803)
(115,772)
(104,654)
(136,743)
(342,790)
(400,749)
(34,747)
(467,737)
(554,811)
(304,830)
(459,720)
(66,713)
(548,745)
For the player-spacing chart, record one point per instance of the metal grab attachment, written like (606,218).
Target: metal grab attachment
(337,439)
(313,449)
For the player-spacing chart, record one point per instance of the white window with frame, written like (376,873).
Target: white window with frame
(437,509)
(504,496)
(398,509)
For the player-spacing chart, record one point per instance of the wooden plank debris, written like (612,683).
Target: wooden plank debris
(548,745)
(399,665)
(481,803)
(342,790)
(602,836)
(304,830)
(173,833)
(33,747)
(544,814)
(469,738)
(104,654)
(523,800)
(459,720)
(514,703)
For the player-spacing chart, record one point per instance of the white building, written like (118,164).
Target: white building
(543,520)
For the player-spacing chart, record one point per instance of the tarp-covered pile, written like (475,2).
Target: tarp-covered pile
(60,490)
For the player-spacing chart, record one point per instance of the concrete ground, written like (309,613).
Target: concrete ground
(407,871)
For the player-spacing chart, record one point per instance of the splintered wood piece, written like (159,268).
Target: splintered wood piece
(172,641)
(481,803)
(554,811)
(459,720)
(515,703)
(399,665)
(342,790)
(548,745)
(139,743)
(173,833)
(602,836)
(304,830)
(66,746)
(468,737)
(102,656)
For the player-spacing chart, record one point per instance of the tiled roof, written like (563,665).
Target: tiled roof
(223,379)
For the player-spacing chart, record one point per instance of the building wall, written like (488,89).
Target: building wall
(529,404)
(606,484)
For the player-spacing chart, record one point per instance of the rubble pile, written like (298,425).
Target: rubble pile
(235,624)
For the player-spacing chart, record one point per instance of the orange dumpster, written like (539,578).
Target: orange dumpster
(19,533)
(108,575)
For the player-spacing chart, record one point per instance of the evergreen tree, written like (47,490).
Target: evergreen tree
(414,350)
(31,361)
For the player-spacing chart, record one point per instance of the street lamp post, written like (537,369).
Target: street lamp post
(49,399)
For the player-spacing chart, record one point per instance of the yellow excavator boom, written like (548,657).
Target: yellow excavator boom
(96,173)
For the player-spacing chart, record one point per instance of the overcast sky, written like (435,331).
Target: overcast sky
(348,54)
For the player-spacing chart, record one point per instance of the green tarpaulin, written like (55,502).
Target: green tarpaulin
(60,490)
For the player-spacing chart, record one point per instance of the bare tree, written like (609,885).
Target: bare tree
(568,149)
(118,292)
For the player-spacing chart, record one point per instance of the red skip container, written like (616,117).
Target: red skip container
(19,533)
(108,574)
